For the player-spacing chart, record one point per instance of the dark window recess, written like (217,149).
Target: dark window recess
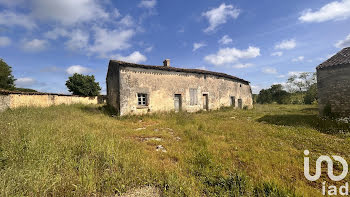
(142,99)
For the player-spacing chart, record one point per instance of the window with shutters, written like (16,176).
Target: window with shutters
(193,97)
(142,99)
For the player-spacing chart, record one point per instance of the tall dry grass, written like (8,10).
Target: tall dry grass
(82,151)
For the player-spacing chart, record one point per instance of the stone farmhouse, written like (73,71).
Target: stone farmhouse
(333,84)
(139,89)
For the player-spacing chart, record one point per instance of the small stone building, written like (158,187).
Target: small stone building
(139,89)
(333,84)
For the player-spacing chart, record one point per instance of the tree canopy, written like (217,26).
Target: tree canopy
(301,81)
(7,81)
(274,94)
(83,85)
(301,89)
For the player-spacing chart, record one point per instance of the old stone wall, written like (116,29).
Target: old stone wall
(161,87)
(4,102)
(41,100)
(333,85)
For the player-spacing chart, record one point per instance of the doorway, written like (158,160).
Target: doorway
(233,101)
(177,102)
(205,102)
(240,104)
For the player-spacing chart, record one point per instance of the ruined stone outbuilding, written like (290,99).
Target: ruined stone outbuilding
(333,84)
(139,89)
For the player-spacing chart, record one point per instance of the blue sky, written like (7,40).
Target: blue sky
(260,41)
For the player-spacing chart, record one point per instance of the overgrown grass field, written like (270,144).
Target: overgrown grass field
(83,151)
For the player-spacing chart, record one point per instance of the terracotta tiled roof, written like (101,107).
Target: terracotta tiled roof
(174,69)
(341,58)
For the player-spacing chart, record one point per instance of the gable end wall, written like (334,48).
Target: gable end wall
(333,86)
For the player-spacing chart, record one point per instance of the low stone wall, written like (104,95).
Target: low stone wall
(15,99)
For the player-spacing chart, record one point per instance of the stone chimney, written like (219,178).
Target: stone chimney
(166,62)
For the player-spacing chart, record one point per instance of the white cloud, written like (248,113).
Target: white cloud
(277,53)
(286,44)
(77,69)
(78,39)
(34,45)
(127,21)
(336,10)
(220,15)
(149,49)
(225,40)
(147,4)
(68,12)
(106,41)
(343,43)
(255,89)
(231,55)
(135,57)
(269,70)
(10,19)
(116,13)
(242,65)
(56,33)
(298,59)
(202,68)
(25,82)
(199,45)
(4,41)
(291,73)
(181,30)
(281,76)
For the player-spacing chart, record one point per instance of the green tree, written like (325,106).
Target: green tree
(311,94)
(279,95)
(274,94)
(83,85)
(7,81)
(303,87)
(264,97)
(301,82)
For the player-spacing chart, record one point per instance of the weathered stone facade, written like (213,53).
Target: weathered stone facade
(172,89)
(333,84)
